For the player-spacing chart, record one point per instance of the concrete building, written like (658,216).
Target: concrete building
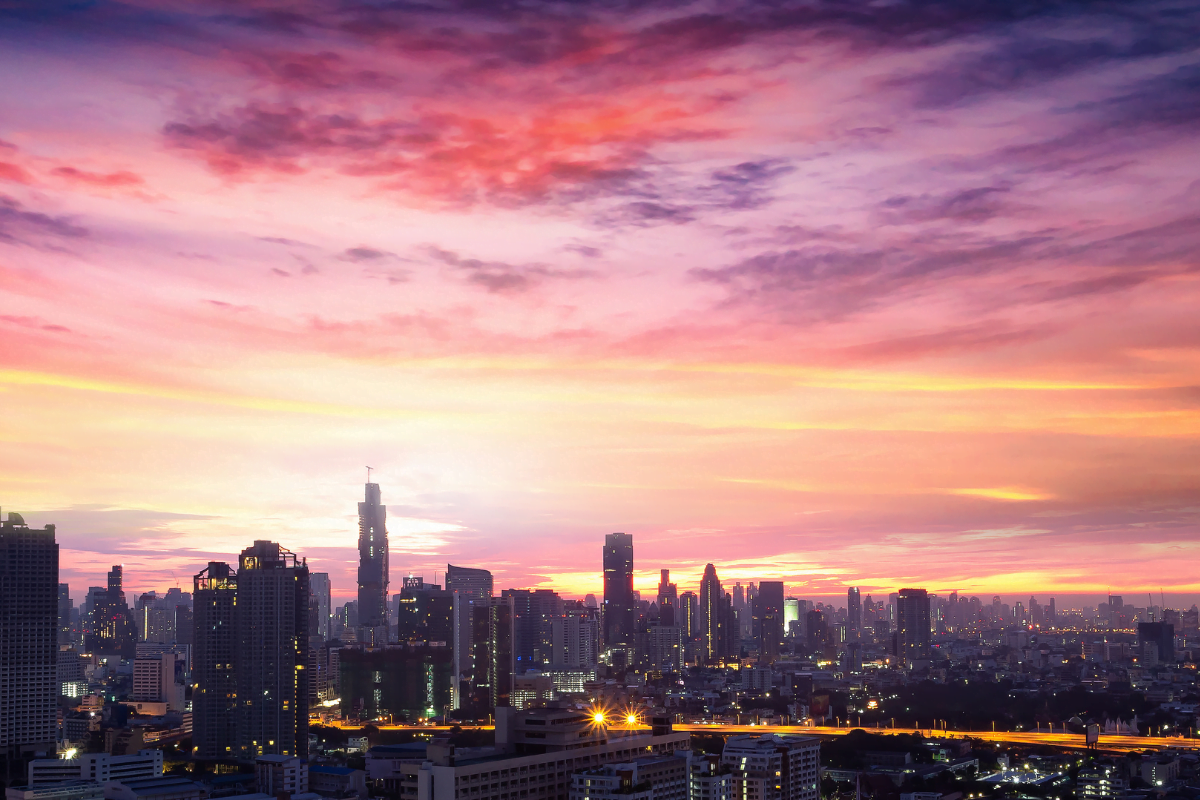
(773,767)
(154,681)
(67,790)
(913,631)
(28,644)
(337,782)
(98,767)
(651,778)
(171,787)
(522,764)
(1101,781)
(620,610)
(276,775)
(708,779)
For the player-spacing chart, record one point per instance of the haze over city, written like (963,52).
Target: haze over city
(832,294)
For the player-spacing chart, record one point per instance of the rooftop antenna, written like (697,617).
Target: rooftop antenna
(1151,609)
(368,474)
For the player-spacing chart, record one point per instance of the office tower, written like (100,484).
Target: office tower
(372,569)
(768,620)
(853,614)
(711,615)
(668,599)
(492,653)
(65,608)
(28,644)
(405,682)
(534,613)
(912,626)
(665,648)
(471,583)
(214,673)
(323,602)
(113,631)
(817,632)
(272,627)
(620,608)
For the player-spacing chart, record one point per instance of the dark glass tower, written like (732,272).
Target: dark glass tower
(768,618)
(372,569)
(214,698)
(28,645)
(854,614)
(620,611)
(711,616)
(913,635)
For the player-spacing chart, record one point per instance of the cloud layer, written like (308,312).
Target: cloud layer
(809,290)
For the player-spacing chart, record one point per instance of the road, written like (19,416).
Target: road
(1118,744)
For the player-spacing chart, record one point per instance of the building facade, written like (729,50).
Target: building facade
(373,622)
(620,610)
(28,643)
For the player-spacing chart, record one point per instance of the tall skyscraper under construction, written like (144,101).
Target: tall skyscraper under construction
(372,569)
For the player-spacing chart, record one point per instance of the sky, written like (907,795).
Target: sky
(836,293)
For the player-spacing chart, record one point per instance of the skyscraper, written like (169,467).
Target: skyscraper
(912,625)
(711,616)
(620,610)
(323,600)
(469,582)
(668,599)
(768,613)
(493,661)
(534,612)
(28,644)
(251,656)
(214,697)
(113,631)
(465,584)
(272,625)
(372,569)
(64,615)
(853,614)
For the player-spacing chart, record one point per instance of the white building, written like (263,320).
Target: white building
(98,767)
(773,767)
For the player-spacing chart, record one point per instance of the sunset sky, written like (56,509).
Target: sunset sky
(838,293)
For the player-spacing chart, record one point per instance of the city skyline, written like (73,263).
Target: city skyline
(833,293)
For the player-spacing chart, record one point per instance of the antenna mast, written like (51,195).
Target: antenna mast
(368,474)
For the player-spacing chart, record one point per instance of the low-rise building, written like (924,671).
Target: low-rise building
(98,767)
(67,790)
(329,781)
(661,778)
(170,787)
(1101,782)
(773,767)
(275,775)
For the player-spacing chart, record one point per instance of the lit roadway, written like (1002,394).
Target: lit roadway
(1122,744)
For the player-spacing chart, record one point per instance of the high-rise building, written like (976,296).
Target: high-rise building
(469,582)
(534,612)
(768,617)
(425,613)
(323,602)
(154,681)
(272,625)
(620,607)
(791,617)
(913,633)
(251,655)
(372,569)
(711,616)
(575,642)
(214,667)
(1156,643)
(403,681)
(853,614)
(113,631)
(65,607)
(492,653)
(28,644)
